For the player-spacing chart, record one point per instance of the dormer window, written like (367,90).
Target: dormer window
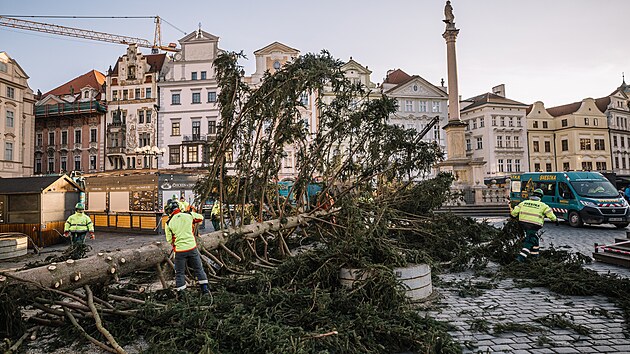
(86,94)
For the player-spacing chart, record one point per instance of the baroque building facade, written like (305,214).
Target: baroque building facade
(131,131)
(571,137)
(17,122)
(70,126)
(419,102)
(189,110)
(496,131)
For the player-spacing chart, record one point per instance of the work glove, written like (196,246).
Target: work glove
(91,235)
(557,222)
(66,234)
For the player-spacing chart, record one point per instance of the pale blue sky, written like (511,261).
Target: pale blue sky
(557,51)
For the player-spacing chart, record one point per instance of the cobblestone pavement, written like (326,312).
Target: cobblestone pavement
(600,325)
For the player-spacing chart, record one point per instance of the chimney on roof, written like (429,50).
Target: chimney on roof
(499,90)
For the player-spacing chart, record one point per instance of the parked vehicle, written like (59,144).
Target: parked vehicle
(577,197)
(285,189)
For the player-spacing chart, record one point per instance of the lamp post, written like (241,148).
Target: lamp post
(150,151)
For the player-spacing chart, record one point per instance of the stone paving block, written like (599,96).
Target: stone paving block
(562,338)
(516,346)
(615,329)
(521,351)
(542,350)
(528,339)
(502,348)
(564,350)
(499,341)
(483,336)
(620,341)
(622,348)
(603,348)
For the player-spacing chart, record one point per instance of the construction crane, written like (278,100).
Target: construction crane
(91,35)
(428,127)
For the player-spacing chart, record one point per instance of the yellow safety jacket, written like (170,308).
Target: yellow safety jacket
(183,206)
(533,212)
(179,231)
(79,222)
(216,208)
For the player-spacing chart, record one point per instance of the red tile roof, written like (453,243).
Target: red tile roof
(397,77)
(155,62)
(93,78)
(601,103)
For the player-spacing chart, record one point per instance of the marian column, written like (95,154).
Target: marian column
(468,172)
(455,129)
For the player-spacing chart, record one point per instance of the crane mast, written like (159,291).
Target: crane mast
(87,34)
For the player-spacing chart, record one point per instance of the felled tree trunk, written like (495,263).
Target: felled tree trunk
(105,266)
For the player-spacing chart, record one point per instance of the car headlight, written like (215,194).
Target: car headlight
(588,204)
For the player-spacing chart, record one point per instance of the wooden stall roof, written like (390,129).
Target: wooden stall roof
(32,185)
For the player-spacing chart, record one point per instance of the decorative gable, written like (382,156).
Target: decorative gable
(417,87)
(199,36)
(277,47)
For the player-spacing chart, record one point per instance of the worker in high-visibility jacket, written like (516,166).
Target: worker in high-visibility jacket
(531,216)
(78,225)
(184,206)
(215,215)
(179,233)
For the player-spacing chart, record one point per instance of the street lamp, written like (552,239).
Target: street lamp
(150,151)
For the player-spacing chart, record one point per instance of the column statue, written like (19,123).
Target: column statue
(449,18)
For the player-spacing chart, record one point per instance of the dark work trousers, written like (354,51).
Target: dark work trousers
(192,259)
(531,244)
(78,236)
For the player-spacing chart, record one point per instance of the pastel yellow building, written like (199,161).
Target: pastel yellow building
(571,137)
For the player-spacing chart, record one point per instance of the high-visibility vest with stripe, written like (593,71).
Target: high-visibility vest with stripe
(533,212)
(179,231)
(78,222)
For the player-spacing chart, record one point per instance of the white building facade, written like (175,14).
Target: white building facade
(189,109)
(17,121)
(419,102)
(496,132)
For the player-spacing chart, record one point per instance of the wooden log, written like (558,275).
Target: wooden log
(103,267)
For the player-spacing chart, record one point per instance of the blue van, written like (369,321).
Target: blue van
(577,197)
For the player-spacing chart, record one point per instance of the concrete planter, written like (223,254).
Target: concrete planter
(416,278)
(13,246)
